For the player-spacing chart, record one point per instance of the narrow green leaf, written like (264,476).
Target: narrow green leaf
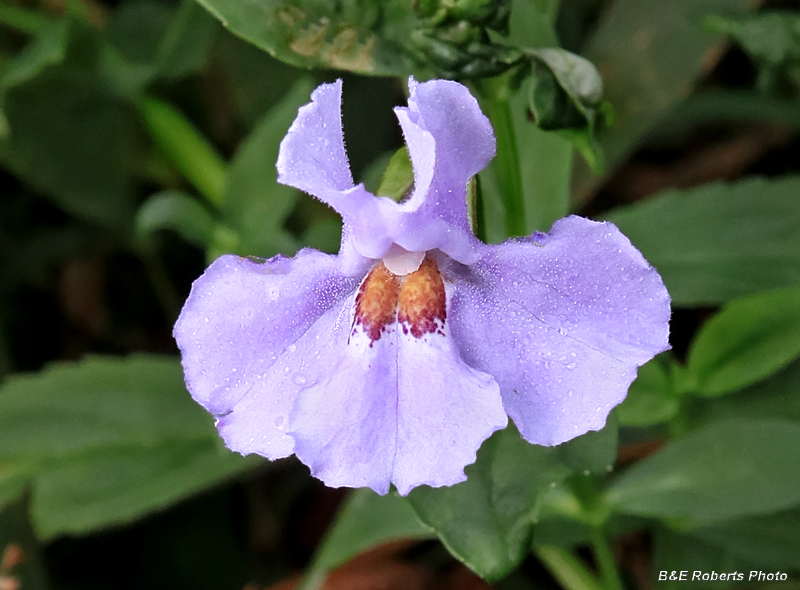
(720,241)
(496,94)
(177,211)
(186,147)
(748,340)
(117,485)
(365,520)
(724,470)
(256,206)
(25,21)
(486,521)
(570,572)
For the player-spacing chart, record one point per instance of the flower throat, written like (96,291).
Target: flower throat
(416,300)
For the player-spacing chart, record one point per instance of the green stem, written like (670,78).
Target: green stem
(567,569)
(24,21)
(495,93)
(605,560)
(312,580)
(190,152)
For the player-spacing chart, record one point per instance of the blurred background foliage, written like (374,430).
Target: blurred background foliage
(137,143)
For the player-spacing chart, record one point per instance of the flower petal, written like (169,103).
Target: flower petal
(562,321)
(445,410)
(400,409)
(312,158)
(449,140)
(241,316)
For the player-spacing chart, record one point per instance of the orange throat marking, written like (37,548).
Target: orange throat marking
(416,300)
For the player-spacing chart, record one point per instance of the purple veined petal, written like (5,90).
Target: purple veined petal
(562,321)
(446,409)
(402,409)
(344,423)
(258,422)
(241,316)
(449,140)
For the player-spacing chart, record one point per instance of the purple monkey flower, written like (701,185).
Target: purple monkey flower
(391,362)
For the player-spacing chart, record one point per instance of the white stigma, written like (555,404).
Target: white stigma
(401,262)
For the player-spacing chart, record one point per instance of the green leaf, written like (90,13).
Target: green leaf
(256,206)
(106,440)
(357,35)
(775,397)
(724,470)
(14,475)
(565,96)
(486,521)
(398,177)
(675,552)
(178,211)
(650,399)
(649,54)
(135,29)
(593,452)
(187,41)
(27,568)
(96,404)
(772,540)
(48,48)
(748,340)
(75,141)
(771,37)
(365,520)
(720,241)
(118,485)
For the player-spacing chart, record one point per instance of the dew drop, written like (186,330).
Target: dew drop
(572,366)
(299,379)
